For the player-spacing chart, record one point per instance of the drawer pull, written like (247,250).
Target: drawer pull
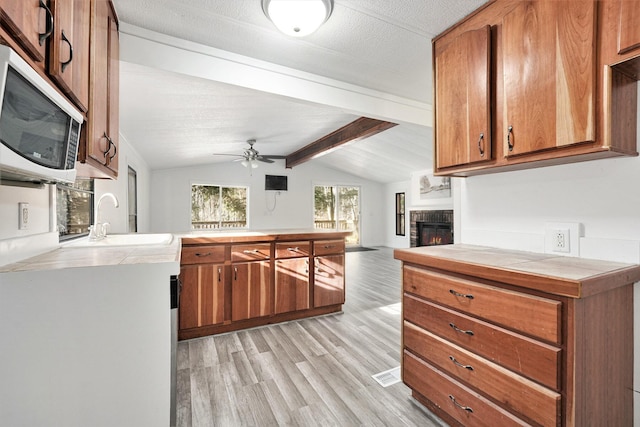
(198,254)
(466,408)
(329,246)
(252,251)
(296,249)
(455,328)
(458,294)
(455,362)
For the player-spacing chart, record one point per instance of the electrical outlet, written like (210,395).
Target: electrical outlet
(563,238)
(560,240)
(23,216)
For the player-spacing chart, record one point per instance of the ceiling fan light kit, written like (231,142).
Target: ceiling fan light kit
(297,18)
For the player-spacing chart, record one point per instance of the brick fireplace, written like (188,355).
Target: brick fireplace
(430,227)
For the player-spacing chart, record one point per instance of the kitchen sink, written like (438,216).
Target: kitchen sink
(133,239)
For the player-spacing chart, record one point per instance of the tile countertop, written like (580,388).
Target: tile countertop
(560,275)
(203,237)
(87,256)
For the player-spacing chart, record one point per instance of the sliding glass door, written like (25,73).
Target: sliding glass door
(337,207)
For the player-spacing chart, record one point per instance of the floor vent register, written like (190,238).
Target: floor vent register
(387,378)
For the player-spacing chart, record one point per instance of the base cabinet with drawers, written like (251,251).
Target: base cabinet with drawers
(519,339)
(234,281)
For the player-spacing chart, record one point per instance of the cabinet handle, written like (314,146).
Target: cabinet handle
(235,273)
(466,408)
(252,251)
(66,64)
(201,255)
(219,274)
(455,362)
(329,246)
(49,29)
(111,144)
(458,294)
(296,249)
(480,145)
(509,143)
(455,328)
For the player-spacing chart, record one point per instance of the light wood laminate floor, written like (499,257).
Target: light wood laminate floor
(311,372)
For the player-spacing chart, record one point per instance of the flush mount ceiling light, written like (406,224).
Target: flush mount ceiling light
(297,18)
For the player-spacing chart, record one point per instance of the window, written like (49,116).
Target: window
(338,208)
(216,206)
(132,195)
(400,214)
(74,208)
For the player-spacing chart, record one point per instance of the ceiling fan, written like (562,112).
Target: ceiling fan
(251,156)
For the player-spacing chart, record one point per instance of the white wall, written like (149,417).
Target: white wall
(119,218)
(171,196)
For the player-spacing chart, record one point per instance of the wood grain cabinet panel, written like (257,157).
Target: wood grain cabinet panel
(251,290)
(629,30)
(100,148)
(327,247)
(501,306)
(69,53)
(202,296)
(462,88)
(521,395)
(292,250)
(251,252)
(462,404)
(291,284)
(328,286)
(549,75)
(26,21)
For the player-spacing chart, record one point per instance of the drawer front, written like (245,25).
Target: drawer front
(533,315)
(292,250)
(533,359)
(202,254)
(255,252)
(512,390)
(466,406)
(327,247)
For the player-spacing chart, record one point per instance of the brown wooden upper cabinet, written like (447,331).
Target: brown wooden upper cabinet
(69,58)
(63,26)
(462,90)
(102,127)
(29,23)
(538,72)
(629,31)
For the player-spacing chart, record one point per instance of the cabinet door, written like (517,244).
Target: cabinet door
(629,30)
(291,285)
(328,286)
(251,290)
(69,58)
(103,125)
(29,22)
(463,101)
(201,296)
(549,75)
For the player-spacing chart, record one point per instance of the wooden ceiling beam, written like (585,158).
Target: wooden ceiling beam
(361,128)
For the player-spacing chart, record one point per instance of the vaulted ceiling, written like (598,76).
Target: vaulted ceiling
(200,77)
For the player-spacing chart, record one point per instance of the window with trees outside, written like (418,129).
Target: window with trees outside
(338,208)
(217,207)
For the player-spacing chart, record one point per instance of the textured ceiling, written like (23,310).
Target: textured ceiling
(175,120)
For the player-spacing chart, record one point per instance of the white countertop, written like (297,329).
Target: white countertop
(69,256)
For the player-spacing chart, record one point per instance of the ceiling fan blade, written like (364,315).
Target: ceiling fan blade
(264,159)
(224,154)
(273,157)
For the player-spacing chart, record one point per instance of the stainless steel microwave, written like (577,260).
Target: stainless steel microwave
(39,128)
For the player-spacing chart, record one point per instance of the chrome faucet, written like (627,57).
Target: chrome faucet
(98,230)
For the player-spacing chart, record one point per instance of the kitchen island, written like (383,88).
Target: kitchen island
(501,337)
(86,334)
(237,280)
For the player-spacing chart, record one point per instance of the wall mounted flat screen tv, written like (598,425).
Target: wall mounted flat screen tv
(275,182)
